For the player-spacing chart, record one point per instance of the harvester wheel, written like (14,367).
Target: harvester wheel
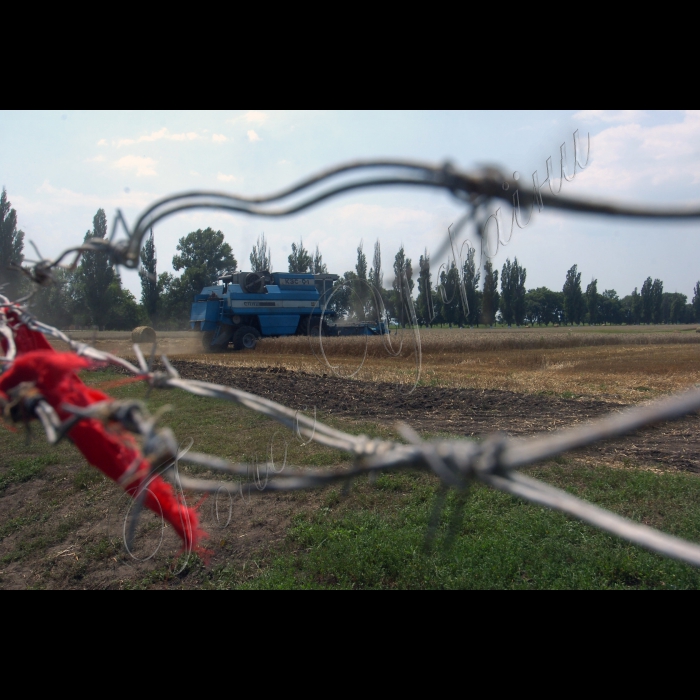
(245,338)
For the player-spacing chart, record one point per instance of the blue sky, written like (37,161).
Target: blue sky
(59,167)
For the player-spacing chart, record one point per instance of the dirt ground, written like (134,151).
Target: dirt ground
(460,412)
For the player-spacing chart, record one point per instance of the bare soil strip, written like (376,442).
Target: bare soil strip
(460,412)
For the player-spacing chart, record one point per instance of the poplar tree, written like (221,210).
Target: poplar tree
(299,259)
(261,257)
(149,279)
(96,274)
(574,303)
(508,292)
(592,302)
(376,274)
(318,267)
(361,266)
(424,304)
(11,247)
(490,299)
(657,295)
(518,277)
(647,302)
(471,276)
(403,275)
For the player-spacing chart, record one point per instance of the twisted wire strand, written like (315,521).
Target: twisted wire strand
(475,189)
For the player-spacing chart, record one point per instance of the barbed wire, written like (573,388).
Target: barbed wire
(475,189)
(494,461)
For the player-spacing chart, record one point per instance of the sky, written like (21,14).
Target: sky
(59,167)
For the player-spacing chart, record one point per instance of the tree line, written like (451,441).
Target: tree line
(91,294)
(514,305)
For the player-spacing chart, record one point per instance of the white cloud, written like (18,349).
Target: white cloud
(194,173)
(252,117)
(102,142)
(630,156)
(218,138)
(226,178)
(253,137)
(96,159)
(157,136)
(142,166)
(284,162)
(255,117)
(619,116)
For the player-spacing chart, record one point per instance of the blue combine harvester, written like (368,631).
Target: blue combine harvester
(246,306)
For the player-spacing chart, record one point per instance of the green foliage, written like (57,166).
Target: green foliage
(261,257)
(610,307)
(124,313)
(376,274)
(402,286)
(652,301)
(449,300)
(574,303)
(173,302)
(513,307)
(593,302)
(318,267)
(299,259)
(361,265)
(696,301)
(543,306)
(340,296)
(632,308)
(149,279)
(647,300)
(657,292)
(425,308)
(55,303)
(362,291)
(95,277)
(11,247)
(204,256)
(490,302)
(470,278)
(673,308)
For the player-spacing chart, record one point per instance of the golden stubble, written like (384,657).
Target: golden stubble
(624,366)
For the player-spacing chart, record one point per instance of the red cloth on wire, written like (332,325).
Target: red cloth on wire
(111,449)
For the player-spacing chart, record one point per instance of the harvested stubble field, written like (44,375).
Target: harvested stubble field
(619,364)
(55,512)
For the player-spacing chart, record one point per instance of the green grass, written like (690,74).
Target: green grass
(377,539)
(376,536)
(19,470)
